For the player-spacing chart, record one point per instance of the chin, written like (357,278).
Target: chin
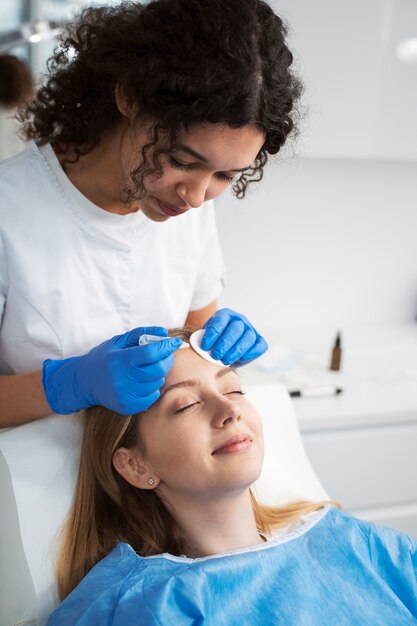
(154,216)
(246,477)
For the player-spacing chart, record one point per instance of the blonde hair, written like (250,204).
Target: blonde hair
(107,510)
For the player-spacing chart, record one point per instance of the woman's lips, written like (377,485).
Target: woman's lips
(169,210)
(236,444)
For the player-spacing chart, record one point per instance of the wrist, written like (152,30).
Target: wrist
(59,380)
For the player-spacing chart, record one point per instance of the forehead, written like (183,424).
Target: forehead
(225,147)
(188,364)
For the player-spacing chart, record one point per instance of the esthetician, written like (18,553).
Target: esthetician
(106,225)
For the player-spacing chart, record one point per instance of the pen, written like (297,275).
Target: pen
(316,391)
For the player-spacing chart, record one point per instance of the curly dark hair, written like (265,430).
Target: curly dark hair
(182,62)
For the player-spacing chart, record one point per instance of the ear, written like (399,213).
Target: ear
(127,107)
(130,464)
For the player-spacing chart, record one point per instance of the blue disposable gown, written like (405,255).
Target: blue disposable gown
(334,570)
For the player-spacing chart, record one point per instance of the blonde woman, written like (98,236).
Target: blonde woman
(165,529)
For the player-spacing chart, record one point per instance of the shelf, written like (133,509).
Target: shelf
(378,375)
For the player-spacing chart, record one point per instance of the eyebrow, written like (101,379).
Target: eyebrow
(184,148)
(194,382)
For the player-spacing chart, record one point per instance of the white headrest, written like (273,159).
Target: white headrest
(42,461)
(287,473)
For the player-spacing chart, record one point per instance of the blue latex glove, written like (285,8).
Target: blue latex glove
(117,374)
(231,338)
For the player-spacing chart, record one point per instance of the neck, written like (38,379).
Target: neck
(217,525)
(98,175)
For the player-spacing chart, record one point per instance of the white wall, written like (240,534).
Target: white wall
(323,241)
(361,97)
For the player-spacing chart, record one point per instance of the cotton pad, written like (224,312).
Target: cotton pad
(146,339)
(195,341)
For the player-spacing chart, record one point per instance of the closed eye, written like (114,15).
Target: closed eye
(186,167)
(189,406)
(184,408)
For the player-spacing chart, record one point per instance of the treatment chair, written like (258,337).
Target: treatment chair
(38,469)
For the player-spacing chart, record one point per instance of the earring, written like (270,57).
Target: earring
(150,481)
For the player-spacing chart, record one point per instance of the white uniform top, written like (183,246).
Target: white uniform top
(73,275)
(10,143)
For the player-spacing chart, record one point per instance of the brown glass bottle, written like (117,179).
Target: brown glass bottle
(336,358)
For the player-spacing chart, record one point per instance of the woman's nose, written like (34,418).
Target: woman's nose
(228,412)
(193,193)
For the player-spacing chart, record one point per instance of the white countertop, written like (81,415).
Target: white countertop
(378,374)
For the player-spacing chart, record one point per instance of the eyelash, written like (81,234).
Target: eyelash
(186,168)
(184,408)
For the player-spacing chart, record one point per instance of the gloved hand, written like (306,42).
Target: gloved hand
(231,338)
(117,374)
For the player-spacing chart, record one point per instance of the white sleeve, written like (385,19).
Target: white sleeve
(211,277)
(4,279)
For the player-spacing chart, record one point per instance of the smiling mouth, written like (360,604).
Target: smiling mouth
(235,445)
(169,210)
